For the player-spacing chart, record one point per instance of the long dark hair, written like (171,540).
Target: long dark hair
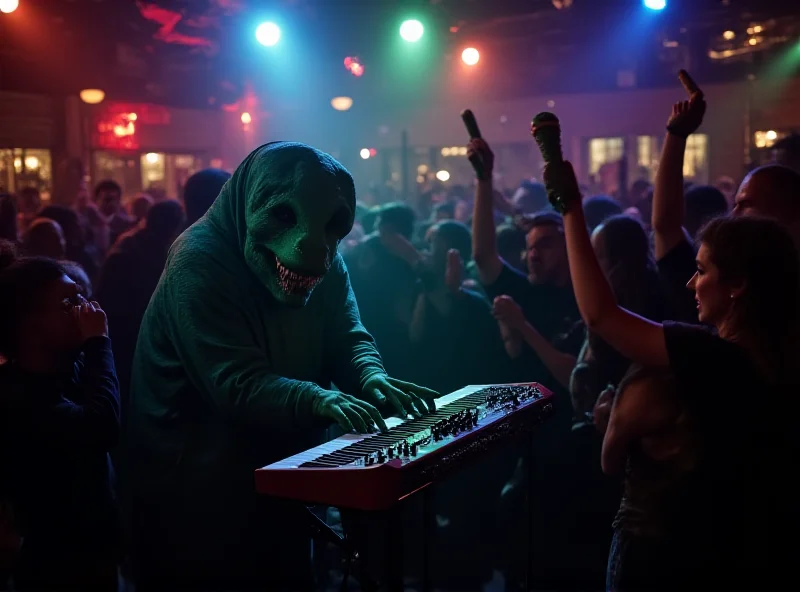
(759,254)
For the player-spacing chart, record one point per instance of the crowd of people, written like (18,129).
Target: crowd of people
(667,327)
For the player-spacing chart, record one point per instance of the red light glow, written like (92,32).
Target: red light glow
(354,66)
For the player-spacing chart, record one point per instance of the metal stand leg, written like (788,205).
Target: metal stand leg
(394,547)
(428,527)
(352,561)
(528,460)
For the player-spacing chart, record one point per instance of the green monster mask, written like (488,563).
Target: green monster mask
(288,206)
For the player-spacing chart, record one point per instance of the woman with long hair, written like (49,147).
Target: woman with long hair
(734,375)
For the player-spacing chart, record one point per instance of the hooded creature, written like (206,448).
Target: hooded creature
(252,322)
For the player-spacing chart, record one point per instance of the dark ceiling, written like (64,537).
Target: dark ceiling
(202,53)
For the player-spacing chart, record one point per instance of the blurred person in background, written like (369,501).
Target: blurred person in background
(9,229)
(28,205)
(598,209)
(128,278)
(108,198)
(787,152)
(139,207)
(200,191)
(44,238)
(728,188)
(530,197)
(77,248)
(703,202)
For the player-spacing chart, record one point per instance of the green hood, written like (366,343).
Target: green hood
(287,207)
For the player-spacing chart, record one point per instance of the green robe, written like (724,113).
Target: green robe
(224,378)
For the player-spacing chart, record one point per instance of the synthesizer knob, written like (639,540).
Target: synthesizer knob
(381,456)
(413,450)
(390,451)
(405,449)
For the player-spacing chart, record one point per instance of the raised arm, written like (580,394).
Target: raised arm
(668,201)
(634,337)
(484,241)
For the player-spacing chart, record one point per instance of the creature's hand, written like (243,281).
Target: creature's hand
(454,273)
(687,116)
(91,320)
(508,312)
(479,150)
(602,409)
(399,246)
(352,414)
(559,176)
(406,398)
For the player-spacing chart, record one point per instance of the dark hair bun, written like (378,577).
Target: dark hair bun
(8,253)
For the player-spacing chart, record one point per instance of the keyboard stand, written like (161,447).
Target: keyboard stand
(321,531)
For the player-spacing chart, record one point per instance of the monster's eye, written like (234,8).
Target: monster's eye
(340,224)
(284,214)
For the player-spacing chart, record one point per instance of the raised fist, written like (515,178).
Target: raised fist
(559,177)
(478,151)
(687,116)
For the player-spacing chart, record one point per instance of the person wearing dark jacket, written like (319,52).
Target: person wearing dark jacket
(129,276)
(59,417)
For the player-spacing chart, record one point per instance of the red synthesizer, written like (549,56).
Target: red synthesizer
(374,471)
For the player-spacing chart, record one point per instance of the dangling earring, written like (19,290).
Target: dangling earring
(733,296)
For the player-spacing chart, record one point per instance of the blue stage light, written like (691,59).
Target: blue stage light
(655,4)
(268,34)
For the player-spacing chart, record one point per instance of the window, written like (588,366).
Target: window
(695,160)
(767,139)
(153,170)
(604,150)
(26,167)
(647,155)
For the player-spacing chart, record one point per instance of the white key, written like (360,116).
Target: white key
(346,440)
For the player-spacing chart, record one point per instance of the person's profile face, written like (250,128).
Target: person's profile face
(712,297)
(54,323)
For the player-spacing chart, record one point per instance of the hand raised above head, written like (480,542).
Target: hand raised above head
(478,151)
(559,177)
(687,116)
